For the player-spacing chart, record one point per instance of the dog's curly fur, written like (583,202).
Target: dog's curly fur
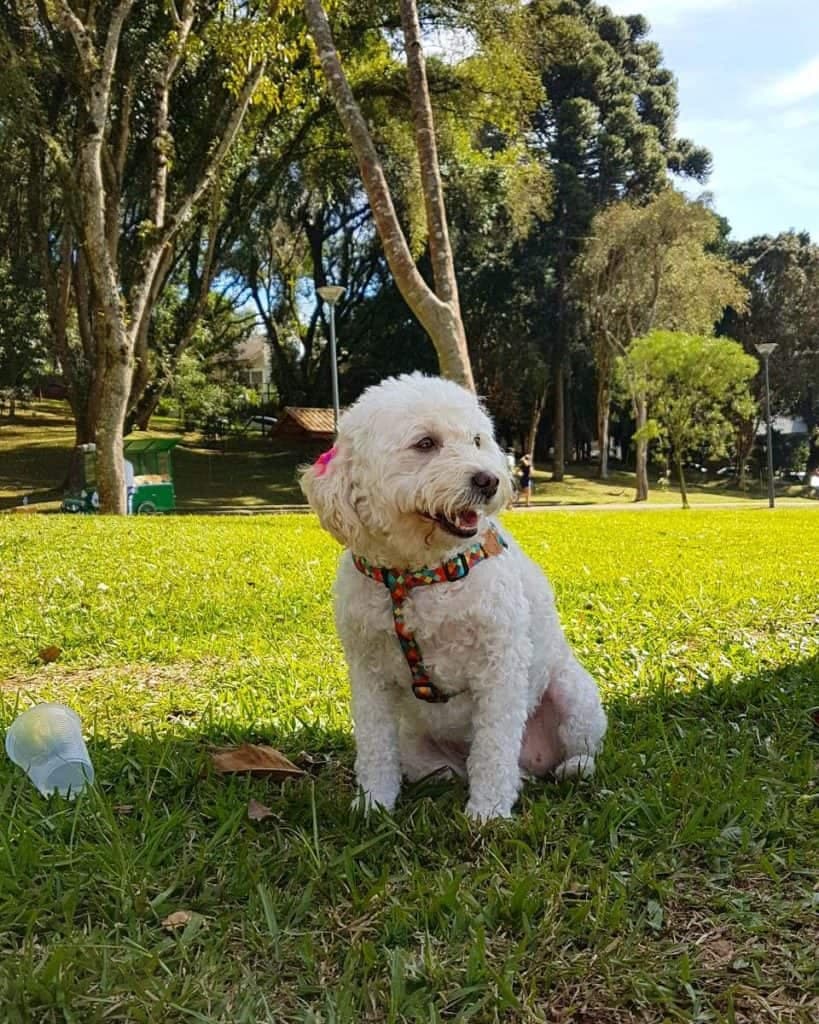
(522,702)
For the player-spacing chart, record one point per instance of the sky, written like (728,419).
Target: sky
(748,76)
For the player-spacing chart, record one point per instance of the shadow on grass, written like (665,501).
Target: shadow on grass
(660,730)
(36,471)
(601,894)
(35,465)
(252,476)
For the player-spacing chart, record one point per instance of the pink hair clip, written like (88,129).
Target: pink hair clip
(324,460)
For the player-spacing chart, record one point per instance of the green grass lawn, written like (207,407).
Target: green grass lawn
(679,885)
(253,474)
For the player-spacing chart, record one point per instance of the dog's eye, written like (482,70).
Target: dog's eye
(426,444)
(477,440)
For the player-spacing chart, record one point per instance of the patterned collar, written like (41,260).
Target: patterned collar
(400,582)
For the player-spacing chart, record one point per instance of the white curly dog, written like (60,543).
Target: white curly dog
(470,674)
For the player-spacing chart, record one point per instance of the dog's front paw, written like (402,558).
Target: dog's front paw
(578,767)
(367,802)
(484,810)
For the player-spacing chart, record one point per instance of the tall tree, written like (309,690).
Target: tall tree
(782,277)
(103,86)
(646,268)
(23,324)
(23,329)
(695,388)
(438,308)
(607,131)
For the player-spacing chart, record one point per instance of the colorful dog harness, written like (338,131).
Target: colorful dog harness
(401,582)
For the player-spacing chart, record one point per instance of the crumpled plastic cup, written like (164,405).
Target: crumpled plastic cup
(46,742)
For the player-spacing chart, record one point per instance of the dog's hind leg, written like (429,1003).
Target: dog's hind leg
(541,749)
(581,719)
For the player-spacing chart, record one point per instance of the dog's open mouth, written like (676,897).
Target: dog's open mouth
(463,524)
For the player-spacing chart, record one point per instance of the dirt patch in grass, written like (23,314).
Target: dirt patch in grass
(140,675)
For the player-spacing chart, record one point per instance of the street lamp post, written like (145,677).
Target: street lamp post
(765,351)
(331,293)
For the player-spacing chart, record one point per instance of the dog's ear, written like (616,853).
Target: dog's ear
(327,484)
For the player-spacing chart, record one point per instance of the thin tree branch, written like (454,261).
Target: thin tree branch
(423,300)
(120,153)
(163,140)
(109,55)
(69,22)
(140,306)
(187,204)
(440,250)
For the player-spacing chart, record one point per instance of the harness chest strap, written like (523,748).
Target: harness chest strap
(399,583)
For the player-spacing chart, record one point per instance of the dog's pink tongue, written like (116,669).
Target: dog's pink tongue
(468,520)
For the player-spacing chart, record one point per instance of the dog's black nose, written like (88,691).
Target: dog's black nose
(487,483)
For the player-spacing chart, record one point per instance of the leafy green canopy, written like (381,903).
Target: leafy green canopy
(608,122)
(650,266)
(23,328)
(696,388)
(782,277)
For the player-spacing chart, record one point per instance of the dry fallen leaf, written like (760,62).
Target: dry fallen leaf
(257,811)
(178,919)
(255,758)
(50,653)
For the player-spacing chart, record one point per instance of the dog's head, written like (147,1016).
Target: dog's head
(415,468)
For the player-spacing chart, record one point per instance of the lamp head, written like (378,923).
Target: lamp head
(331,293)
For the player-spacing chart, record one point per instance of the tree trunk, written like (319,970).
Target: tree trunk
(568,413)
(603,415)
(808,408)
(534,425)
(58,284)
(140,416)
(84,427)
(440,248)
(681,475)
(641,452)
(115,347)
(559,420)
(115,389)
(115,363)
(438,314)
(745,443)
(119,319)
(142,371)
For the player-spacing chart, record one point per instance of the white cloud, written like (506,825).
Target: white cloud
(796,85)
(670,12)
(800,117)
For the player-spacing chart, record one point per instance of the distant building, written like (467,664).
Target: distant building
(302,425)
(253,359)
(785,426)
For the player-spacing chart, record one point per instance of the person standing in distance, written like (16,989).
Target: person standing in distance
(525,476)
